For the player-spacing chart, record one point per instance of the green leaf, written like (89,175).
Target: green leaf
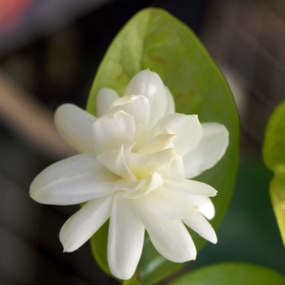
(274,140)
(277,195)
(156,40)
(274,158)
(99,243)
(132,281)
(233,274)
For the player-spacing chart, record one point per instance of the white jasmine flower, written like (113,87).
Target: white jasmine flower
(136,166)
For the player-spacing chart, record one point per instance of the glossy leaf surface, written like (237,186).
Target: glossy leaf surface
(233,274)
(274,158)
(132,281)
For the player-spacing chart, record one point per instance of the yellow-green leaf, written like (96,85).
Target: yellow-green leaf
(132,281)
(274,140)
(231,274)
(274,158)
(277,195)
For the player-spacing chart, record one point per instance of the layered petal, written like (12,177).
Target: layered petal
(105,98)
(74,124)
(158,143)
(170,238)
(208,152)
(150,85)
(73,180)
(143,165)
(112,130)
(84,223)
(167,205)
(187,129)
(170,102)
(117,161)
(137,189)
(125,239)
(191,187)
(201,226)
(136,106)
(175,170)
(205,204)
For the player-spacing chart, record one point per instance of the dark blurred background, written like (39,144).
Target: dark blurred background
(49,53)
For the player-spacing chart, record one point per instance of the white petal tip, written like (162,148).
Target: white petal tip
(192,257)
(122,274)
(66,249)
(211,236)
(68,246)
(36,195)
(214,239)
(105,98)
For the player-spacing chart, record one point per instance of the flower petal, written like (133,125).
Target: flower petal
(116,161)
(171,104)
(112,130)
(73,180)
(74,124)
(205,204)
(168,205)
(105,98)
(125,239)
(137,189)
(170,238)
(187,129)
(191,187)
(150,85)
(158,143)
(209,151)
(84,223)
(201,226)
(175,170)
(143,165)
(136,106)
